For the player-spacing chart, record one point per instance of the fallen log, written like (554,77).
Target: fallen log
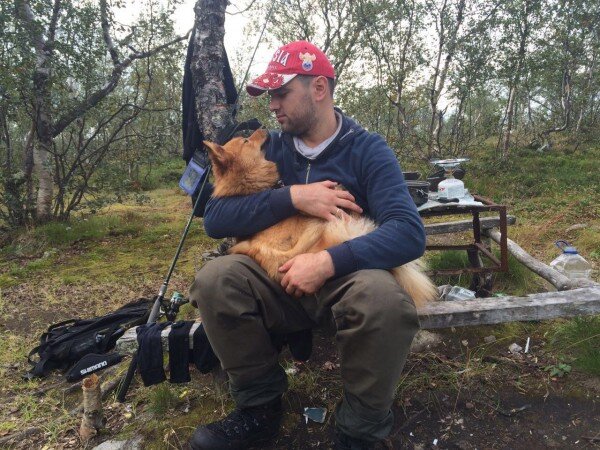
(492,310)
(127,344)
(557,279)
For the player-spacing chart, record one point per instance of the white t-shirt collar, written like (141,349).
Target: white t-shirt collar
(313,152)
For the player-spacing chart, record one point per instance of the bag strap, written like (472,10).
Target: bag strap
(39,368)
(228,132)
(62,324)
(105,342)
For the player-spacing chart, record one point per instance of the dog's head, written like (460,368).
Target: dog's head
(240,167)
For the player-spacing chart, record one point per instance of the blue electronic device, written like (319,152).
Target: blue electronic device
(194,173)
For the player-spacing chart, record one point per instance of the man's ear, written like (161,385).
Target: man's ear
(321,87)
(216,153)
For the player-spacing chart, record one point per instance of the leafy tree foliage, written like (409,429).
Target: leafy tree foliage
(443,77)
(82,93)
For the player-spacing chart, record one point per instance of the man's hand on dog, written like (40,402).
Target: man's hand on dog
(306,273)
(322,200)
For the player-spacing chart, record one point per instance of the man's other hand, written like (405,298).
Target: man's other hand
(306,273)
(322,199)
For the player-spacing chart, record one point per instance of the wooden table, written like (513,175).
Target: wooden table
(479,249)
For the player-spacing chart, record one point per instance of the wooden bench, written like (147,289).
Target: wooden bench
(480,311)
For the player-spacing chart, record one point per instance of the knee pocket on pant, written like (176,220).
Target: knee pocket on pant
(375,296)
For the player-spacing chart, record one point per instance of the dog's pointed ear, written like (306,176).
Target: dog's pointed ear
(259,135)
(216,153)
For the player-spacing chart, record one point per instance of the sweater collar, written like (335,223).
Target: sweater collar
(348,131)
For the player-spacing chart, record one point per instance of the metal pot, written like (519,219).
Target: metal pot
(419,191)
(437,177)
(411,175)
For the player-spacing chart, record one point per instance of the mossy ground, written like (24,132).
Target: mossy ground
(97,262)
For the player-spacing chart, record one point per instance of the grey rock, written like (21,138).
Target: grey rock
(425,340)
(577,226)
(489,339)
(135,443)
(515,348)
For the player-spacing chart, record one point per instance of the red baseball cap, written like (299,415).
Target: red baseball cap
(295,58)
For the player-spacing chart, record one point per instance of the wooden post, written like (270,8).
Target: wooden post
(93,417)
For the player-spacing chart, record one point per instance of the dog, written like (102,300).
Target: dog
(240,168)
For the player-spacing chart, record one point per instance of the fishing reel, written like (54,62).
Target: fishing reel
(171,307)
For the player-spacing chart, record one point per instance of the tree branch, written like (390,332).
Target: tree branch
(53,23)
(97,96)
(110,45)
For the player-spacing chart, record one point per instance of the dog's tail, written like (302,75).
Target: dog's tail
(416,284)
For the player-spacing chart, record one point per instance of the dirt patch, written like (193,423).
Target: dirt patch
(460,394)
(491,409)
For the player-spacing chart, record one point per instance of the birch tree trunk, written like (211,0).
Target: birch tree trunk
(589,98)
(213,112)
(440,72)
(44,50)
(524,30)
(46,128)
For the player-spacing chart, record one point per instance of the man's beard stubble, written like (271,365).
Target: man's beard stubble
(304,121)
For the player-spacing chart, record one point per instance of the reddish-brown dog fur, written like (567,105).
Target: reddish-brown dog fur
(240,168)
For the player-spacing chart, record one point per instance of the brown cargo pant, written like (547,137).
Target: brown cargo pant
(375,323)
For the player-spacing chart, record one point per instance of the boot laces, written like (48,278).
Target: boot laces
(236,424)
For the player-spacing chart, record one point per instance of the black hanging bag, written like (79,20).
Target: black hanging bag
(67,342)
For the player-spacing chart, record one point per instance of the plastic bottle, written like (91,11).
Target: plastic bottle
(570,263)
(451,188)
(460,293)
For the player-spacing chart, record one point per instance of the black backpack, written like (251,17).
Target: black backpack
(67,342)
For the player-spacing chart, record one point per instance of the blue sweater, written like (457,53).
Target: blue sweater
(360,161)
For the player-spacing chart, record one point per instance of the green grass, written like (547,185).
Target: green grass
(164,175)
(162,398)
(579,339)
(452,259)
(132,239)
(123,251)
(56,235)
(517,281)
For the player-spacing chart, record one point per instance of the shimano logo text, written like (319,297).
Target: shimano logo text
(94,367)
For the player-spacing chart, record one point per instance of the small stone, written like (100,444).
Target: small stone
(293,370)
(515,348)
(328,365)
(469,405)
(489,339)
(464,342)
(135,443)
(425,340)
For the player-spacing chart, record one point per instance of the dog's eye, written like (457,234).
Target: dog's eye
(246,141)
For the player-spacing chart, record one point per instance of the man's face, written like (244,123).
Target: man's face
(294,107)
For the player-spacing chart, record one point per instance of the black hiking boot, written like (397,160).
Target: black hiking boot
(240,429)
